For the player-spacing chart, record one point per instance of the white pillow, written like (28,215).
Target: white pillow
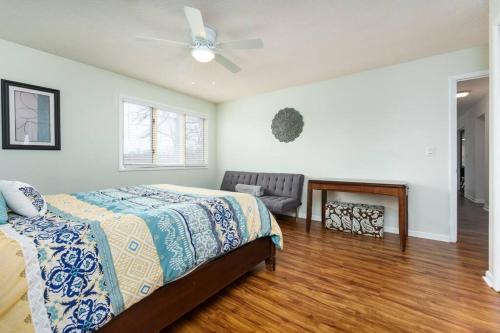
(23,198)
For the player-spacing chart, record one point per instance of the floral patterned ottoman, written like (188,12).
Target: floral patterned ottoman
(338,216)
(359,219)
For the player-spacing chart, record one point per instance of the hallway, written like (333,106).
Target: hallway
(473,229)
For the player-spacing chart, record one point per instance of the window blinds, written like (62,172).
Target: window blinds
(155,137)
(170,145)
(137,134)
(195,141)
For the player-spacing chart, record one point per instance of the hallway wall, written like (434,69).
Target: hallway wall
(475,121)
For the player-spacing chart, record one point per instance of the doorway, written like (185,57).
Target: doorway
(472,100)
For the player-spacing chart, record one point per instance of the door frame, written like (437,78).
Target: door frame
(460,136)
(453,145)
(492,275)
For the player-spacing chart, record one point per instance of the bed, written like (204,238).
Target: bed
(130,259)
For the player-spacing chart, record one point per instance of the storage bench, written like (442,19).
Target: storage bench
(358,219)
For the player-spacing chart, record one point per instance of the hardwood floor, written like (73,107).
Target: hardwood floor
(335,282)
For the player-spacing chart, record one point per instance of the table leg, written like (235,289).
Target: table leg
(403,219)
(309,208)
(323,205)
(406,216)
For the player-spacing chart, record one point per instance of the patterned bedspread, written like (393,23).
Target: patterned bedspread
(94,254)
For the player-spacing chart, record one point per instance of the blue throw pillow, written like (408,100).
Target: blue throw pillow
(3,210)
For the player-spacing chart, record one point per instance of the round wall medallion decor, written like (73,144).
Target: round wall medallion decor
(287,125)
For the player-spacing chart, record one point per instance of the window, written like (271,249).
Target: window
(156,136)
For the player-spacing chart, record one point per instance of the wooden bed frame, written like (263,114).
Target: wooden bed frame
(169,303)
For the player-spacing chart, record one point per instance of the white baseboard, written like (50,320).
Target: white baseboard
(420,234)
(394,230)
(488,278)
(474,199)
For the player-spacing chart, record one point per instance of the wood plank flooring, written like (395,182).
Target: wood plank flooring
(336,282)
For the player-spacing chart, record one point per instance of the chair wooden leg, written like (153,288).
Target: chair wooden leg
(296,214)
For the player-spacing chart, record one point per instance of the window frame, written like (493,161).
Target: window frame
(156,105)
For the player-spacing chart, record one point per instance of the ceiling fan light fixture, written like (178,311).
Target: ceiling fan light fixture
(203,54)
(462,94)
(204,45)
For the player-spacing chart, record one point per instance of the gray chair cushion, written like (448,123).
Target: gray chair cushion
(282,191)
(277,204)
(282,184)
(231,178)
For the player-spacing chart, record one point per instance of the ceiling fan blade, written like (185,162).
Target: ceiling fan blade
(160,40)
(245,44)
(195,21)
(228,64)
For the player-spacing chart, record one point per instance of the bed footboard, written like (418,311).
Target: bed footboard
(169,303)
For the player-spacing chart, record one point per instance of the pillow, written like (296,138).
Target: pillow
(256,190)
(23,199)
(4,218)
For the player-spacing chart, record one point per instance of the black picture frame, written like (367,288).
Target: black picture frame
(6,130)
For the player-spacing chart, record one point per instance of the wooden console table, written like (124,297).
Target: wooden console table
(397,189)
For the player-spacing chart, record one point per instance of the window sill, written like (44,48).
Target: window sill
(159,168)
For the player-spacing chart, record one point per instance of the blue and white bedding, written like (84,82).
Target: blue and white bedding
(94,254)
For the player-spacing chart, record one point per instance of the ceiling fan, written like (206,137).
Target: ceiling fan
(204,45)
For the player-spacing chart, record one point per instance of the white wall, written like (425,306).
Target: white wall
(371,125)
(492,276)
(474,121)
(89,126)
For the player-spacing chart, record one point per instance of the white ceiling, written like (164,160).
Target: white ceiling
(478,89)
(304,40)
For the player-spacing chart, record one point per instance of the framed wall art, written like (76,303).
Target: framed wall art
(30,117)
